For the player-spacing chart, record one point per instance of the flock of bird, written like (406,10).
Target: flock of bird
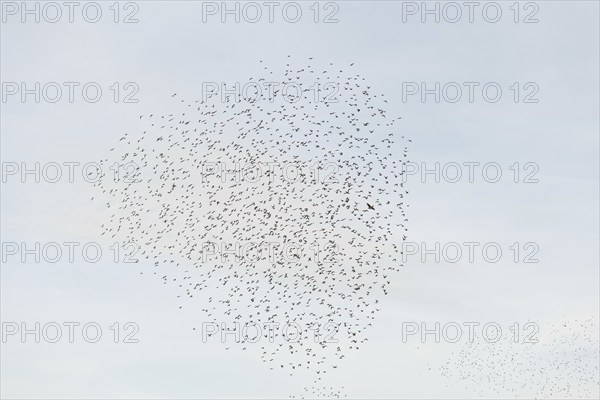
(336,197)
(320,173)
(563,364)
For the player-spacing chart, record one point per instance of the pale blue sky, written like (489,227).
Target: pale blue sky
(171,50)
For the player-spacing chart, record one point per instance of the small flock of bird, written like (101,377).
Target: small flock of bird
(356,217)
(562,365)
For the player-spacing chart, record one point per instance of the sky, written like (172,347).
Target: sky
(553,64)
